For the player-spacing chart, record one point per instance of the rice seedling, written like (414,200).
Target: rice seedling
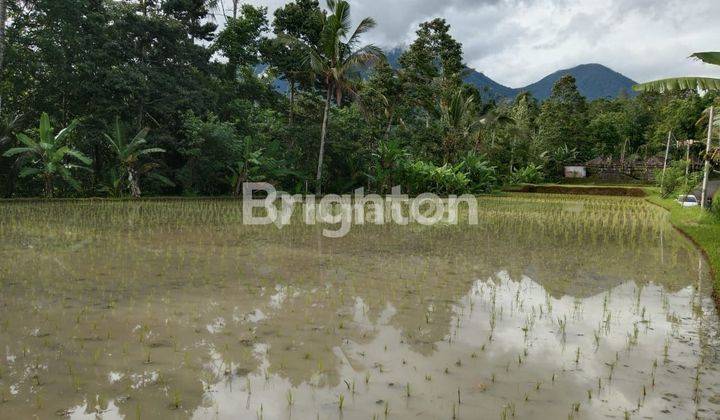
(433,307)
(176,400)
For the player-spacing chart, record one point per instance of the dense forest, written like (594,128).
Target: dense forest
(114,98)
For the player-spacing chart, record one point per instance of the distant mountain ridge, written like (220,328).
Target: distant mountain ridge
(594,81)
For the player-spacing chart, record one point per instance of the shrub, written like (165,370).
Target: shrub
(531,174)
(715,207)
(675,181)
(483,176)
(421,177)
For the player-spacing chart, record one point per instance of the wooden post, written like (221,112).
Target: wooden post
(707,153)
(667,152)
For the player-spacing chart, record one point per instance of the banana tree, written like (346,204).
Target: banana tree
(685,83)
(247,168)
(129,156)
(48,156)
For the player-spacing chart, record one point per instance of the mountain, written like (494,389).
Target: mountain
(594,81)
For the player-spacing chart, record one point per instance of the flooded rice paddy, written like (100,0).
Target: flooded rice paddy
(550,308)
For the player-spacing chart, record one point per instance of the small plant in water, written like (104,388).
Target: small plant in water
(176,401)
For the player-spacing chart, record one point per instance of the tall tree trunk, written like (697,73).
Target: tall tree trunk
(48,186)
(292,100)
(3,18)
(323,134)
(134,184)
(389,126)
(235,8)
(241,178)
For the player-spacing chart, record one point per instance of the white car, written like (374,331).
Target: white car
(688,200)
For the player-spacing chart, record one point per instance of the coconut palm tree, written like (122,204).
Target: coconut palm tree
(684,83)
(47,157)
(129,155)
(460,122)
(333,60)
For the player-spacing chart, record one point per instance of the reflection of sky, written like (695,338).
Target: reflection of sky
(472,359)
(235,324)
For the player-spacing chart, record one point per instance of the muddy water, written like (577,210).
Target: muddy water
(549,308)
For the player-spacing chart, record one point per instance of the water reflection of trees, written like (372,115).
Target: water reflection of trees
(181,309)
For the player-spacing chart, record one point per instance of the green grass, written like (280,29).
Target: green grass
(701,227)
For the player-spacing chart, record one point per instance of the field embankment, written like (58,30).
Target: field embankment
(619,191)
(700,227)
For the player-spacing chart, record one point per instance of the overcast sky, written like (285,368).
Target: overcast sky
(517,42)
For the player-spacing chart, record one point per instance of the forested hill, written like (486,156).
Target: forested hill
(593,80)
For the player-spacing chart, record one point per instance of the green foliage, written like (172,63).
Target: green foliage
(530,174)
(335,58)
(388,163)
(563,119)
(421,177)
(129,155)
(460,123)
(704,229)
(558,158)
(675,181)
(216,118)
(686,83)
(432,64)
(242,38)
(715,207)
(208,147)
(472,175)
(482,175)
(49,156)
(301,21)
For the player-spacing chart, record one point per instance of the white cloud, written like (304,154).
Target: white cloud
(516,42)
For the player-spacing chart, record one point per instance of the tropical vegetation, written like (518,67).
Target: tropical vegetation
(297,98)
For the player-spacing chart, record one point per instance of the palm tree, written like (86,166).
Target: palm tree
(493,120)
(334,58)
(460,121)
(47,157)
(129,154)
(248,167)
